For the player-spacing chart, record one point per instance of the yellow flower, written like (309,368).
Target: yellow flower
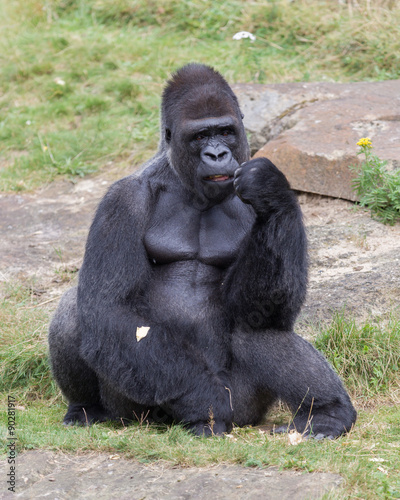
(365,142)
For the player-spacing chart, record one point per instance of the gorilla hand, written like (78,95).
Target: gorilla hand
(259,183)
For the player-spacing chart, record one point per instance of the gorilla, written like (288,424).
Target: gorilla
(194,272)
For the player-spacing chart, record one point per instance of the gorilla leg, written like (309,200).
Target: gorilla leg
(285,366)
(250,401)
(77,381)
(123,408)
(186,393)
(178,379)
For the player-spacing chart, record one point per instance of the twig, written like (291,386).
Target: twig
(230,397)
(42,303)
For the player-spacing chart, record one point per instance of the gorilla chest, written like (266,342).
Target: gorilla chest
(179,232)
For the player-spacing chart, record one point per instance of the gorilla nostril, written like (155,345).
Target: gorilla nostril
(211,156)
(216,154)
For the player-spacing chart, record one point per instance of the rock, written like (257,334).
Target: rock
(310,130)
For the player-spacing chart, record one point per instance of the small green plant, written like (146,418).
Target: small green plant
(366,356)
(24,366)
(377,188)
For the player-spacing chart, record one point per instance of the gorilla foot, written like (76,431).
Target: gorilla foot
(308,434)
(206,429)
(319,426)
(81,414)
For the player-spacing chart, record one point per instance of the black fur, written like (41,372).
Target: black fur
(215,266)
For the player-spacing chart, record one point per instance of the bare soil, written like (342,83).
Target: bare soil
(354,264)
(354,261)
(45,474)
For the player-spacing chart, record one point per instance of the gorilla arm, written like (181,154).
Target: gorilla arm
(265,289)
(266,285)
(114,270)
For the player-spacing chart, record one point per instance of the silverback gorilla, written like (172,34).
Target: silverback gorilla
(208,250)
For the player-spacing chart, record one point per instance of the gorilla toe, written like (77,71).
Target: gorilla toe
(206,429)
(81,414)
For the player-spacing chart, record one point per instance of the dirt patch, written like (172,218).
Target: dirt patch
(98,476)
(354,263)
(43,230)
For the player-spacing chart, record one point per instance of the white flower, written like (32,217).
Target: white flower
(59,81)
(244,34)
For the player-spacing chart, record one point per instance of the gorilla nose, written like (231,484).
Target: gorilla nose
(216,156)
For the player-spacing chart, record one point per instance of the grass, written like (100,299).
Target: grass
(80,86)
(24,367)
(369,465)
(365,355)
(377,187)
(80,80)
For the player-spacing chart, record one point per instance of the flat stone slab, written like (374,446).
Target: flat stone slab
(310,130)
(98,476)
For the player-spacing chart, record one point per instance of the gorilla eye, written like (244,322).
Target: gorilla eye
(199,137)
(226,132)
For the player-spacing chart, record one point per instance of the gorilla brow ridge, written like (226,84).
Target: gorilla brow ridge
(208,100)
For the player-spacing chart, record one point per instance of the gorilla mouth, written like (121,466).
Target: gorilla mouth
(218,178)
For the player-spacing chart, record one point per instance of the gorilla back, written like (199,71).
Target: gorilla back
(207,250)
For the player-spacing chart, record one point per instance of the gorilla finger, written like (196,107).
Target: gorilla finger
(321,436)
(282,429)
(237,172)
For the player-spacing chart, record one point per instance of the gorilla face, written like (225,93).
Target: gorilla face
(205,140)
(208,148)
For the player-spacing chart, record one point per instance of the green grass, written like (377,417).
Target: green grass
(354,456)
(24,367)
(365,355)
(80,80)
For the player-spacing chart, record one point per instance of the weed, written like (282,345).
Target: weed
(377,188)
(367,357)
(24,366)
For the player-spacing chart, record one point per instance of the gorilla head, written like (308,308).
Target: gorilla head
(202,131)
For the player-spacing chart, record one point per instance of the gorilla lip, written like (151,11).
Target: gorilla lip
(218,178)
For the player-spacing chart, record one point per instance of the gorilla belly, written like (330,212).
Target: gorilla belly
(184,302)
(186,293)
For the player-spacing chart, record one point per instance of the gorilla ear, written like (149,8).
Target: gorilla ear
(242,115)
(167,135)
